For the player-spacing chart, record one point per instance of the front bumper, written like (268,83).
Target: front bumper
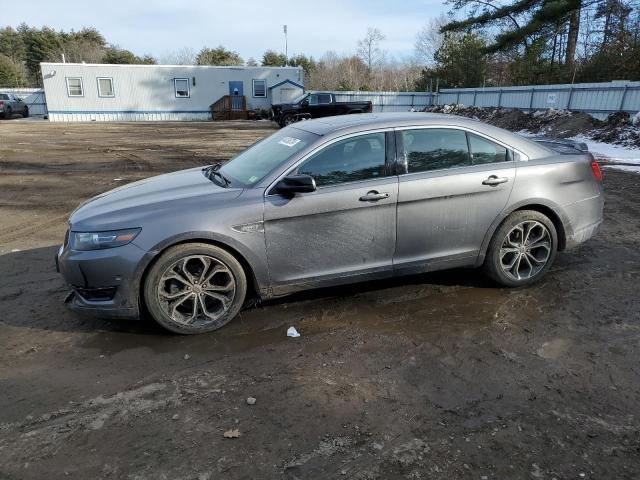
(105,282)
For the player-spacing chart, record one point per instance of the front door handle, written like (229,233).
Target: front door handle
(374,196)
(494,180)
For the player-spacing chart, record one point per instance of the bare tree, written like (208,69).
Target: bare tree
(369,48)
(184,56)
(429,39)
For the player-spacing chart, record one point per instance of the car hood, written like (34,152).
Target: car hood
(284,106)
(129,205)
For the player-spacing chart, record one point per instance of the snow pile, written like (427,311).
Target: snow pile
(619,128)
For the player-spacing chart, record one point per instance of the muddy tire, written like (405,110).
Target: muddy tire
(195,288)
(522,249)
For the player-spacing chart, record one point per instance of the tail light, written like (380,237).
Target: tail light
(595,168)
(1,104)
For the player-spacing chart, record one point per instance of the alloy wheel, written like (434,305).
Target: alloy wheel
(196,290)
(525,250)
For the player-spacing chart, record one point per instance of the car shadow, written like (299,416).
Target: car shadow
(32,295)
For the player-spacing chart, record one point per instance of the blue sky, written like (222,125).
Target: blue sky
(248,26)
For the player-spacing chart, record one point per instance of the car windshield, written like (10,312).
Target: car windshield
(255,163)
(300,98)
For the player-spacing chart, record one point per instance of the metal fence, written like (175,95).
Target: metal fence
(389,101)
(597,99)
(33,97)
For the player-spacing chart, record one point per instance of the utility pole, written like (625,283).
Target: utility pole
(286,47)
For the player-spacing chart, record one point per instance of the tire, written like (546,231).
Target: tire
(171,293)
(25,112)
(287,120)
(513,263)
(8,113)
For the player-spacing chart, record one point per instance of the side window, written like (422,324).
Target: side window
(74,87)
(181,87)
(435,149)
(105,87)
(324,99)
(350,160)
(485,151)
(313,99)
(4,96)
(260,88)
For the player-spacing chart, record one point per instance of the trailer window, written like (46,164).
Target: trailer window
(260,88)
(74,87)
(181,87)
(105,87)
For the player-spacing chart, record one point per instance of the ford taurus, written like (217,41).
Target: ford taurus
(326,202)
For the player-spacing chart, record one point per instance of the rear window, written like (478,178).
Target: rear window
(485,151)
(435,149)
(4,96)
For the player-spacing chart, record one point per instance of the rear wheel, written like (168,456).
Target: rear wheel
(522,249)
(195,288)
(25,112)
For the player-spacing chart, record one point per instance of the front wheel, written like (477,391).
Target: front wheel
(25,112)
(522,249)
(195,288)
(287,120)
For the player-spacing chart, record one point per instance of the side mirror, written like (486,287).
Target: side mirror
(293,184)
(305,102)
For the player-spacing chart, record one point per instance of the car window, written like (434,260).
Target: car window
(313,99)
(485,151)
(324,98)
(353,159)
(435,149)
(4,96)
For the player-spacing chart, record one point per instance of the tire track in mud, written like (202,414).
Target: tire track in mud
(17,232)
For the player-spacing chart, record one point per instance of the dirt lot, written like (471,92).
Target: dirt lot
(439,376)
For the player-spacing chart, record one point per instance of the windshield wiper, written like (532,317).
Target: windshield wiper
(213,170)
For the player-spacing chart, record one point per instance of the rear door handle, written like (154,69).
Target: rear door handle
(374,196)
(494,180)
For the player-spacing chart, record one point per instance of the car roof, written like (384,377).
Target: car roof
(346,124)
(367,121)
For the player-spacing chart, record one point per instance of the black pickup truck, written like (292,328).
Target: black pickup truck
(315,105)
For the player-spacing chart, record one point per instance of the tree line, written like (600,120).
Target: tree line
(478,43)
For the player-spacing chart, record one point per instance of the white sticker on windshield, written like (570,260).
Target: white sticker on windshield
(289,141)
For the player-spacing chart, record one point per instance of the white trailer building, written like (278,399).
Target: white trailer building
(103,92)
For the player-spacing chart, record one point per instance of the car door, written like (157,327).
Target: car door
(347,227)
(453,185)
(320,105)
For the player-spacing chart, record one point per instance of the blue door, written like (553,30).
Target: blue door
(236,89)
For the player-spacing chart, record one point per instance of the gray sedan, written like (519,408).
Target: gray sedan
(327,202)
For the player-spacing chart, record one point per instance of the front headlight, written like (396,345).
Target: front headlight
(100,240)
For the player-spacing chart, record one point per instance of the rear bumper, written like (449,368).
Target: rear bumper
(584,234)
(585,218)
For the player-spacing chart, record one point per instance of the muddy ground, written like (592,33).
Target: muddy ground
(439,376)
